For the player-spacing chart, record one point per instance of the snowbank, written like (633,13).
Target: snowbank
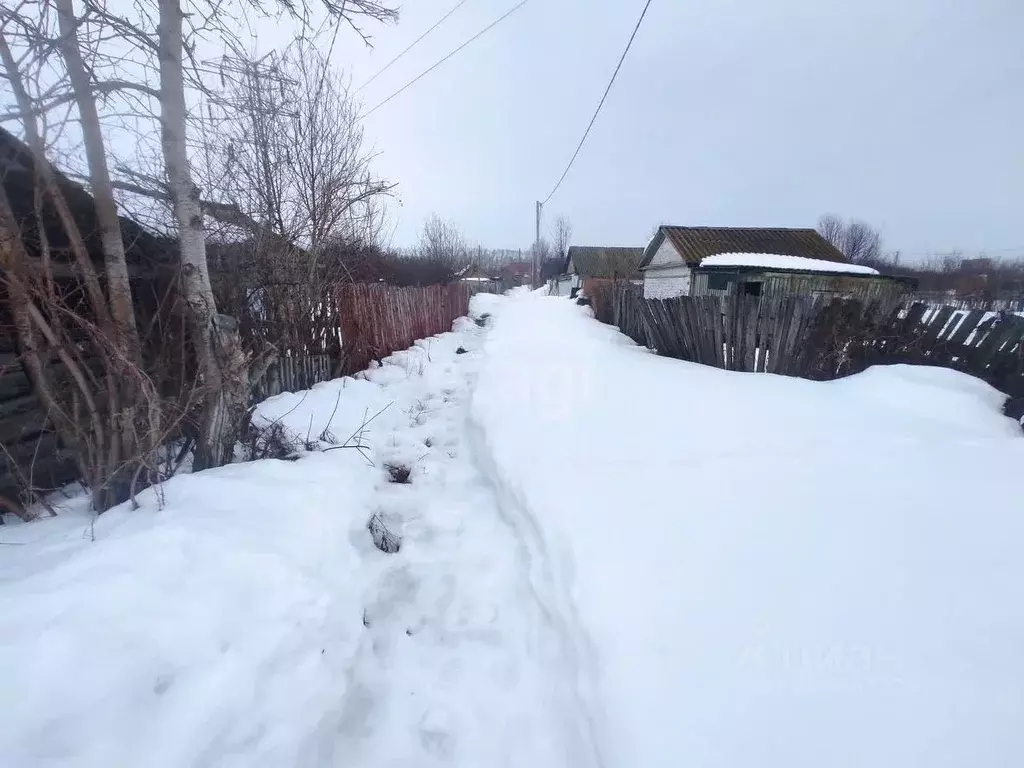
(777,261)
(763,570)
(188,635)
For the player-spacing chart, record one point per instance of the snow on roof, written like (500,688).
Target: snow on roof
(777,261)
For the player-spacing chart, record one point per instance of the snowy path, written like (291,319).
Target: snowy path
(466,631)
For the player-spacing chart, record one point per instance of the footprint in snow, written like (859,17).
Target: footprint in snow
(435,734)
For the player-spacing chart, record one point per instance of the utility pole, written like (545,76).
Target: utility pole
(536,249)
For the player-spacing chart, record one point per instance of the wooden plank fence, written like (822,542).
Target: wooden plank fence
(293,374)
(1008,303)
(378,319)
(827,338)
(375,320)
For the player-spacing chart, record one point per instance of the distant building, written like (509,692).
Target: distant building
(610,263)
(583,262)
(516,273)
(474,273)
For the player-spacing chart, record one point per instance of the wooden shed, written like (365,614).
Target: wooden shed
(673,254)
(31,457)
(774,276)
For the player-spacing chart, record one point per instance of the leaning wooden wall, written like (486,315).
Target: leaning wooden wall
(31,458)
(777,284)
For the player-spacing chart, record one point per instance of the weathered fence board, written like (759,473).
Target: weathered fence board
(936,325)
(966,324)
(753,309)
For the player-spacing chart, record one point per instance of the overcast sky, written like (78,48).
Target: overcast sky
(907,113)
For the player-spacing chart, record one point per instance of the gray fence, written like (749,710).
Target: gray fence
(820,338)
(293,374)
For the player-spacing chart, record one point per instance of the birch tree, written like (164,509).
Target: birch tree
(115,265)
(223,364)
(214,338)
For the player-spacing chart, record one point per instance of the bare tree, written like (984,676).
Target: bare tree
(442,243)
(833,229)
(333,177)
(561,237)
(290,152)
(859,241)
(863,242)
(222,361)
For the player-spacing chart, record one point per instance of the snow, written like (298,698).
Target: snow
(607,559)
(757,570)
(183,636)
(777,261)
(250,621)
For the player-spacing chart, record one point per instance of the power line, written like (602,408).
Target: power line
(442,61)
(600,104)
(438,23)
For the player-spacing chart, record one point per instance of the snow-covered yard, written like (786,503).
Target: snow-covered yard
(770,571)
(607,559)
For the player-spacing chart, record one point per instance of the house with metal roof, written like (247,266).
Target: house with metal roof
(755,261)
(584,262)
(600,261)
